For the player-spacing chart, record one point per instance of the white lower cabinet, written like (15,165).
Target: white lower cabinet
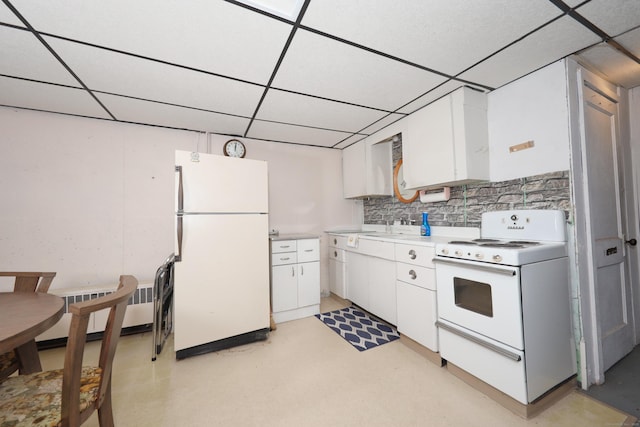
(416,294)
(417,314)
(371,280)
(337,265)
(295,279)
(358,279)
(382,289)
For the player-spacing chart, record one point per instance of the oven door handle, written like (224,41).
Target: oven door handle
(501,351)
(488,268)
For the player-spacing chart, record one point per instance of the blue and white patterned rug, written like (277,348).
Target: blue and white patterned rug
(357,327)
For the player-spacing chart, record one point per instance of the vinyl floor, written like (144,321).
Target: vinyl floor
(305,375)
(621,388)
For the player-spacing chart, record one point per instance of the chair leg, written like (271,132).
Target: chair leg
(105,411)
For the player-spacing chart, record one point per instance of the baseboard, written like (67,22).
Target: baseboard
(525,411)
(95,336)
(428,354)
(249,337)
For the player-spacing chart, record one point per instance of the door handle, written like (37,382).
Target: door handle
(412,254)
(631,242)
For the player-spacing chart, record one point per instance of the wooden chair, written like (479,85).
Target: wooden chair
(24,282)
(67,397)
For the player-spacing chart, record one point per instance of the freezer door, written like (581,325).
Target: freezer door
(221,286)
(221,184)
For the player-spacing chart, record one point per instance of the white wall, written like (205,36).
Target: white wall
(93,199)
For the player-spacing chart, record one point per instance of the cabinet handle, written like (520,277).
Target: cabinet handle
(335,241)
(293,271)
(308,250)
(284,259)
(412,274)
(284,247)
(412,254)
(335,254)
(302,270)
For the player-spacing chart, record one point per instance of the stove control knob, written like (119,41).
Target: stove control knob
(445,251)
(496,258)
(479,255)
(458,253)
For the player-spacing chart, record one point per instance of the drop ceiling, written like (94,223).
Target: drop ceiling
(323,73)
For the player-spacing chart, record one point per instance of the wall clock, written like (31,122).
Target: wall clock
(234,148)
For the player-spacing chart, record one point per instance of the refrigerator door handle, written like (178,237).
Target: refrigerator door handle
(178,256)
(180,190)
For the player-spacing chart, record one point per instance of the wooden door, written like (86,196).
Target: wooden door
(605,217)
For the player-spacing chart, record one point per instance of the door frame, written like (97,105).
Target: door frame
(582,268)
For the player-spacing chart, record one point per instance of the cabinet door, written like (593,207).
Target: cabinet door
(337,278)
(354,171)
(417,314)
(382,289)
(358,279)
(308,283)
(428,151)
(284,292)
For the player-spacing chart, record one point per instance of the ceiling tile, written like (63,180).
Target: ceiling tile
(24,56)
(612,16)
(557,40)
(295,134)
(315,112)
(617,68)
(339,71)
(216,36)
(135,77)
(8,17)
(436,93)
(45,97)
(350,141)
(137,111)
(631,41)
(385,121)
(447,36)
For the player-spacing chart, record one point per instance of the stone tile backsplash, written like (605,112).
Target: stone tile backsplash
(467,202)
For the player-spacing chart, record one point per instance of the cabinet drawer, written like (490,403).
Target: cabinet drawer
(416,275)
(339,242)
(308,250)
(417,255)
(283,246)
(284,258)
(337,254)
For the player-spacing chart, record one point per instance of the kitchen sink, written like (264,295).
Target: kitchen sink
(395,236)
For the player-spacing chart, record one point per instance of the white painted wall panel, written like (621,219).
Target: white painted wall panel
(92,199)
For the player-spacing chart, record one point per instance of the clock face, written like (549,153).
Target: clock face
(234,148)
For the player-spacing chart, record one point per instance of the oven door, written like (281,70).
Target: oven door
(481,297)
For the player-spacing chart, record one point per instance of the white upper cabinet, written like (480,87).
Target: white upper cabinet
(446,142)
(529,125)
(367,169)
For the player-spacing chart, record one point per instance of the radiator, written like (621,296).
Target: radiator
(139,311)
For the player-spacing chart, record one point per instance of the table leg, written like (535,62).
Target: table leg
(28,358)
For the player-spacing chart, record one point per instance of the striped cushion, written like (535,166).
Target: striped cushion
(36,399)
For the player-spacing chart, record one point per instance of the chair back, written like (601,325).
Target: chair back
(30,281)
(117,303)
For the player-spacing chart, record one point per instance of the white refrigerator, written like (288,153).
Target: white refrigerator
(221,276)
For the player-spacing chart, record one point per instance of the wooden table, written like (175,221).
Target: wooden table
(24,316)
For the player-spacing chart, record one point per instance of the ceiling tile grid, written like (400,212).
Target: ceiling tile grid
(247,68)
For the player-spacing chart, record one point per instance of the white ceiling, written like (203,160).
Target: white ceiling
(316,72)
